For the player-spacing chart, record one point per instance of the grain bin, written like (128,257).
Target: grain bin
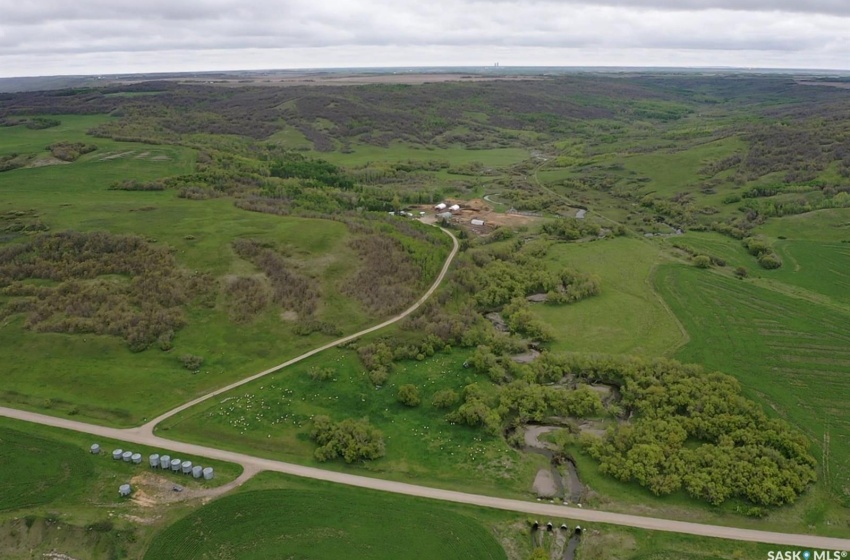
(186,466)
(197,471)
(164,461)
(116,454)
(95,449)
(137,458)
(208,473)
(154,460)
(124,490)
(127,455)
(175,465)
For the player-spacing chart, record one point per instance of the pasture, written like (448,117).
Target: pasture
(627,317)
(97,377)
(790,354)
(272,417)
(820,267)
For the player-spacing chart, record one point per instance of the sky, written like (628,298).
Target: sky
(59,37)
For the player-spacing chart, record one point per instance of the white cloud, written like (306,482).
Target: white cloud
(99,36)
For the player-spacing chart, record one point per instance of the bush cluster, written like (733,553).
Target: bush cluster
(351,440)
(142,302)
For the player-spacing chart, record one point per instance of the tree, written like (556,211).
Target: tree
(444,399)
(741,272)
(408,395)
(352,440)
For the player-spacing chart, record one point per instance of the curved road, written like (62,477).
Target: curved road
(256,464)
(148,428)
(144,435)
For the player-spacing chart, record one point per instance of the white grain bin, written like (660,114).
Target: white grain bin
(95,449)
(137,458)
(186,467)
(154,460)
(175,465)
(164,461)
(127,456)
(454,208)
(116,454)
(208,473)
(197,471)
(440,206)
(124,490)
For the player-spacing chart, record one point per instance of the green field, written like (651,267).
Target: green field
(271,417)
(823,268)
(627,317)
(363,154)
(324,524)
(822,225)
(35,471)
(789,353)
(676,172)
(97,377)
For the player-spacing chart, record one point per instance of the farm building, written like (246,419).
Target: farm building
(440,206)
(445,216)
(454,208)
(477,222)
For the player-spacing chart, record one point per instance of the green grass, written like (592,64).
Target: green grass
(823,268)
(97,377)
(822,225)
(789,353)
(716,245)
(55,495)
(35,471)
(627,317)
(324,524)
(271,417)
(671,173)
(362,154)
(22,140)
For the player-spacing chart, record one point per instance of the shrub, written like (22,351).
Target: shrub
(321,374)
(408,395)
(741,272)
(702,261)
(352,440)
(444,399)
(770,261)
(191,362)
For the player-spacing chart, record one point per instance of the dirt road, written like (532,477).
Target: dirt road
(555,512)
(149,427)
(144,435)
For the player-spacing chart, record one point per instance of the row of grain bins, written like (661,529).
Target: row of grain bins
(164,462)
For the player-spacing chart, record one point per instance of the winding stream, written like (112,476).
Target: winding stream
(567,485)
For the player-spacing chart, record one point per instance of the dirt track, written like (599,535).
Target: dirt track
(144,435)
(257,464)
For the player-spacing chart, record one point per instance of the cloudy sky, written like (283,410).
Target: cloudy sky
(47,37)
